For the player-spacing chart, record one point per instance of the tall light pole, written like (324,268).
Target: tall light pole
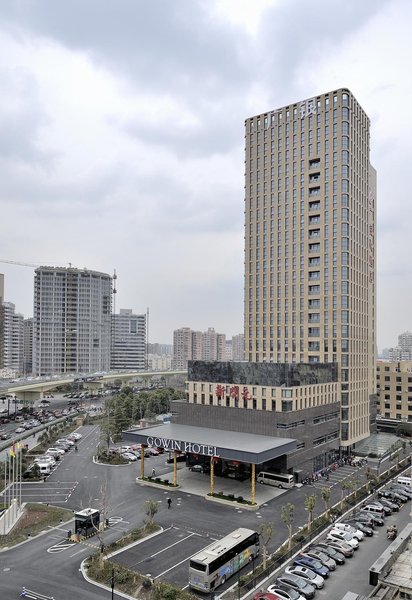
(112,583)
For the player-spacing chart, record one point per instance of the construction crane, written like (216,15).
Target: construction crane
(22,264)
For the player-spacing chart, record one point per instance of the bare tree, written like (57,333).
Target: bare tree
(287,513)
(266,531)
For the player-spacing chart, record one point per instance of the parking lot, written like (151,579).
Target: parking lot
(156,557)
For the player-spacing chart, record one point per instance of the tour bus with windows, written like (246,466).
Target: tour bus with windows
(212,566)
(281,480)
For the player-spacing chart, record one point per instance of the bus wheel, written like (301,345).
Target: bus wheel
(251,557)
(223,580)
(280,486)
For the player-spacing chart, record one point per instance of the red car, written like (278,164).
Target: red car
(265,596)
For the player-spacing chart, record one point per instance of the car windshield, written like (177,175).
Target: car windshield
(317,564)
(347,536)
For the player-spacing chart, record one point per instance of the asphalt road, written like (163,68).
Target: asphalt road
(50,566)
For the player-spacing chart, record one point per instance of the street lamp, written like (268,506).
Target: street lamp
(112,583)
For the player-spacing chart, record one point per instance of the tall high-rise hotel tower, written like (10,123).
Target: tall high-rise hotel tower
(310,200)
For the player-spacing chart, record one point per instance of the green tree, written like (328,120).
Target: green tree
(344,485)
(151,509)
(107,431)
(287,514)
(310,502)
(325,493)
(266,531)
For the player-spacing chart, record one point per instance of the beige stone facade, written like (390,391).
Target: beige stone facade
(310,203)
(259,397)
(394,390)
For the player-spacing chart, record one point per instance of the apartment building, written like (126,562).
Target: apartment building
(310,203)
(71,321)
(27,346)
(394,390)
(197,345)
(13,337)
(128,341)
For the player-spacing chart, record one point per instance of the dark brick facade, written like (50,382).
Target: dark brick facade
(299,425)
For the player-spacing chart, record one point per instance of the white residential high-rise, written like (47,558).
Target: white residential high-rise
(71,321)
(12,338)
(128,341)
(310,202)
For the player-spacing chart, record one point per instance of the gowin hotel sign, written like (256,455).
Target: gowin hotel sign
(181,446)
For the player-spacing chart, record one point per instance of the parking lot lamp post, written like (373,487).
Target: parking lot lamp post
(112,583)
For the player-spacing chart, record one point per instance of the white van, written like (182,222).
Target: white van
(45,468)
(281,480)
(374,510)
(404,481)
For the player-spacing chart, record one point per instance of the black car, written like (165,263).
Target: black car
(393,496)
(392,505)
(298,584)
(401,489)
(379,521)
(337,556)
(365,529)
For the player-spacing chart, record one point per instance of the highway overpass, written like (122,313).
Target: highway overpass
(30,391)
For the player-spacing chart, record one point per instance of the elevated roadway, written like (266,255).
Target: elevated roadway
(33,390)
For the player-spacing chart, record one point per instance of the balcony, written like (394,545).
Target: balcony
(313,304)
(314,290)
(315,191)
(314,318)
(315,220)
(314,262)
(314,234)
(314,276)
(314,163)
(314,178)
(314,206)
(314,248)
(314,331)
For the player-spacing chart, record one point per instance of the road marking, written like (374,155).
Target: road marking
(60,547)
(78,552)
(174,544)
(26,593)
(176,565)
(115,520)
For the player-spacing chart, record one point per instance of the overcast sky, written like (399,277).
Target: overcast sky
(121,140)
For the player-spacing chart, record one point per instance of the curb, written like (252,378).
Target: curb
(101,585)
(34,537)
(96,462)
(232,503)
(159,486)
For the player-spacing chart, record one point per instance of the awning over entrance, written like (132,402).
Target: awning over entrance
(230,445)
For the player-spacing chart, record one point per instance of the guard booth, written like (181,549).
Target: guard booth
(86,522)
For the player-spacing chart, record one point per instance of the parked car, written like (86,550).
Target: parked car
(386,510)
(5,436)
(343,536)
(366,530)
(265,596)
(129,456)
(350,529)
(377,520)
(392,505)
(393,496)
(197,468)
(325,560)
(363,518)
(55,451)
(308,561)
(312,576)
(285,592)
(300,585)
(337,556)
(402,489)
(66,441)
(342,547)
(20,430)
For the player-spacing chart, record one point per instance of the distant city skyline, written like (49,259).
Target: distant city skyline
(123,149)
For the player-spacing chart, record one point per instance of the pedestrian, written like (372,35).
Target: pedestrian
(169,502)
(153,473)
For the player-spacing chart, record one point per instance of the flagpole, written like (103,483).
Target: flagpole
(20,474)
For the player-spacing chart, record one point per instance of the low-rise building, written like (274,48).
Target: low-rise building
(394,390)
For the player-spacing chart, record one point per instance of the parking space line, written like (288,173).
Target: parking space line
(176,565)
(171,545)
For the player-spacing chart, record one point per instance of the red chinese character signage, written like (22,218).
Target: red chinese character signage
(234,392)
(220,391)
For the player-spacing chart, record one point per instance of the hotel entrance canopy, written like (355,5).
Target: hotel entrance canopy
(229,445)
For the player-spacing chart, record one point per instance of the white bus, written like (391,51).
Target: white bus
(281,480)
(215,564)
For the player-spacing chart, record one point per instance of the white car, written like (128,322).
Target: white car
(129,456)
(55,451)
(47,458)
(75,435)
(357,533)
(312,577)
(291,594)
(343,536)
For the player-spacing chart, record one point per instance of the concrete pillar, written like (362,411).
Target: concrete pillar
(212,475)
(175,467)
(142,461)
(253,484)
